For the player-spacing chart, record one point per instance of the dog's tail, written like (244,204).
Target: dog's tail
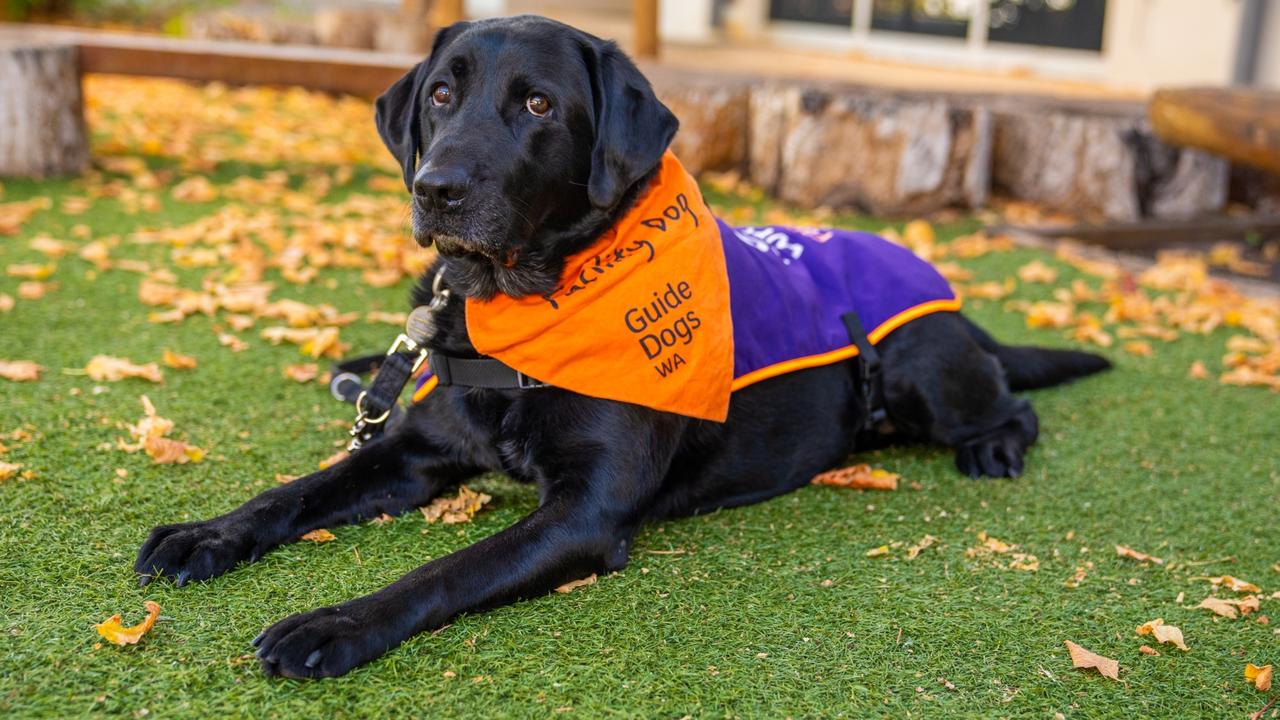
(1028,368)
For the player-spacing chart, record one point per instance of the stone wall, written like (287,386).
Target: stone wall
(889,153)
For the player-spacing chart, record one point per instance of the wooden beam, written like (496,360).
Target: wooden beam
(1237,123)
(644,18)
(354,72)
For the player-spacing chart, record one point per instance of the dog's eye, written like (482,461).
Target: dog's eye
(538,105)
(441,94)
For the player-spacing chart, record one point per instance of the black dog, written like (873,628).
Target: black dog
(533,138)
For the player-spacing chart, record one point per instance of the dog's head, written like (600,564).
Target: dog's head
(520,140)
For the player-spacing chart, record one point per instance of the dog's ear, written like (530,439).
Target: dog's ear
(632,127)
(398,111)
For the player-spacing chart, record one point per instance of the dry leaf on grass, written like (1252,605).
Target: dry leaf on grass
(859,477)
(319,535)
(19,370)
(1198,371)
(149,434)
(1148,650)
(1259,676)
(457,509)
(1234,584)
(6,303)
(1037,272)
(1128,552)
(878,551)
(114,632)
(1231,608)
(302,372)
(104,368)
(1085,659)
(1140,348)
(1163,633)
(575,584)
(8,470)
(177,361)
(989,545)
(914,551)
(32,290)
(228,340)
(31,271)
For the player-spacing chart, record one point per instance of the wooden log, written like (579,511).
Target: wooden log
(1237,123)
(42,129)
(644,17)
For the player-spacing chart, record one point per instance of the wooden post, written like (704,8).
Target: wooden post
(42,130)
(448,12)
(644,16)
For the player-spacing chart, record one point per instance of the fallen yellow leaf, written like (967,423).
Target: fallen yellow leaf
(177,361)
(1231,608)
(1037,272)
(1163,633)
(457,509)
(319,535)
(1085,659)
(19,370)
(8,470)
(914,551)
(878,551)
(1148,650)
(1234,584)
(302,372)
(113,631)
(859,477)
(1259,676)
(1128,552)
(575,584)
(149,434)
(1140,348)
(104,368)
(31,271)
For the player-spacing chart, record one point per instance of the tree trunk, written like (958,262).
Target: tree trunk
(42,131)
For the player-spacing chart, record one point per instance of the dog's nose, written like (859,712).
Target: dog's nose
(444,189)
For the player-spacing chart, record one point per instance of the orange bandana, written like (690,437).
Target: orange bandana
(641,316)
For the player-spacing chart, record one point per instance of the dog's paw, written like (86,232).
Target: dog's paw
(193,551)
(327,642)
(997,456)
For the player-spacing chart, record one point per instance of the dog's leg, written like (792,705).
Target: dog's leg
(940,385)
(390,475)
(585,524)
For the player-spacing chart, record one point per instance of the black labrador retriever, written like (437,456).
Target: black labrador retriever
(533,137)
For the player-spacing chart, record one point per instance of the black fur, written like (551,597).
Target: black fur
(536,190)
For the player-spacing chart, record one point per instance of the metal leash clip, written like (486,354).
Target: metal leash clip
(418,329)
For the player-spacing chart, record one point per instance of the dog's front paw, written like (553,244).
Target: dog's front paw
(193,551)
(997,456)
(327,642)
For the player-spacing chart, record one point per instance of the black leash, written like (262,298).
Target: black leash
(378,406)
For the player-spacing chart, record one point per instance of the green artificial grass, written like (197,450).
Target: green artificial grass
(766,611)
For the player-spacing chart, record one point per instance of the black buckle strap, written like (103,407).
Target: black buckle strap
(479,372)
(868,371)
